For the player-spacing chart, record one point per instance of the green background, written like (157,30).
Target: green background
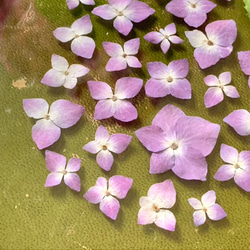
(35,217)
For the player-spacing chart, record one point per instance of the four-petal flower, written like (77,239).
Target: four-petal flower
(244,60)
(74,3)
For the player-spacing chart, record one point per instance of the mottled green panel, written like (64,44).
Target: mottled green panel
(35,217)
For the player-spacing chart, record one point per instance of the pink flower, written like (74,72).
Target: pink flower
(168,80)
(61,114)
(120,58)
(81,45)
(244,59)
(216,44)
(107,193)
(56,164)
(240,121)
(165,36)
(124,12)
(215,94)
(74,3)
(237,167)
(62,74)
(154,207)
(115,104)
(208,207)
(104,144)
(179,142)
(194,12)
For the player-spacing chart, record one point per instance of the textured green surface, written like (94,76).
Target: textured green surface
(35,217)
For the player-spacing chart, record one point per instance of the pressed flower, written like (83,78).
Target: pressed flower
(154,207)
(81,45)
(165,37)
(194,12)
(215,44)
(115,104)
(219,87)
(179,142)
(206,206)
(244,59)
(62,74)
(124,13)
(237,167)
(74,3)
(239,120)
(106,193)
(56,164)
(121,58)
(168,80)
(61,114)
(104,144)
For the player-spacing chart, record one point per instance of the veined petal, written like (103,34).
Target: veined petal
(35,108)
(110,206)
(216,212)
(100,90)
(231,91)
(208,199)
(244,60)
(125,111)
(93,147)
(165,219)
(72,4)
(157,88)
(106,12)
(123,25)
(195,19)
(133,62)
(244,160)
(170,29)
(157,70)
(177,8)
(73,181)
(196,37)
(59,63)
(113,49)
(119,143)
(70,82)
(95,194)
(64,34)
(213,96)
(178,68)
(195,203)
(77,70)
(175,39)
(105,159)
(82,26)
(53,179)
(146,202)
(83,46)
(154,37)
(102,135)
(119,4)
(102,182)
(104,109)
(229,154)
(116,64)
(242,179)
(88,2)
(181,88)
(199,217)
(225,77)
(73,165)
(131,47)
(225,173)
(54,78)
(211,81)
(165,45)
(55,162)
(146,216)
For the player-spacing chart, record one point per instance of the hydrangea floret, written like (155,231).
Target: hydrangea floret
(74,3)
(244,60)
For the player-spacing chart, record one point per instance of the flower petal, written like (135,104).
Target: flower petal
(178,68)
(195,19)
(119,4)
(196,38)
(93,147)
(88,2)
(105,159)
(165,219)
(113,49)
(208,199)
(229,154)
(64,34)
(59,63)
(154,37)
(55,162)
(110,206)
(77,70)
(242,179)
(131,47)
(72,4)
(216,212)
(118,143)
(146,216)
(82,26)
(54,78)
(175,39)
(199,217)
(157,70)
(231,91)
(177,8)
(100,90)
(133,62)
(211,81)
(73,181)
(73,165)
(181,88)
(102,135)
(213,96)
(53,179)
(95,194)
(116,64)
(195,203)
(83,46)
(104,109)
(225,173)
(244,60)
(157,88)
(165,45)
(106,12)
(35,108)
(123,25)
(70,82)
(125,111)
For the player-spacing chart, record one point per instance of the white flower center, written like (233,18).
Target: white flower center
(114,98)
(169,79)
(66,73)
(174,146)
(204,209)
(156,208)
(47,117)
(119,13)
(64,172)
(236,165)
(107,193)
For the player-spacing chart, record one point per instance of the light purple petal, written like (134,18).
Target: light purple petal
(216,212)
(35,108)
(177,8)
(133,62)
(53,179)
(157,88)
(165,45)
(242,179)
(64,34)
(93,147)
(169,30)
(181,88)
(196,38)
(59,63)
(165,219)
(116,64)
(195,19)
(113,49)
(83,46)
(175,39)
(211,81)
(118,4)
(77,70)
(119,143)
(244,160)
(54,78)
(82,26)
(131,47)
(154,37)
(195,203)
(244,60)
(231,91)
(102,182)
(123,25)
(213,96)
(95,194)
(157,70)
(106,12)
(72,4)
(73,181)
(225,77)
(55,162)
(125,111)
(104,109)
(146,216)
(228,154)
(100,90)
(102,134)
(110,207)
(179,68)
(105,159)
(208,199)
(199,217)
(225,173)
(73,165)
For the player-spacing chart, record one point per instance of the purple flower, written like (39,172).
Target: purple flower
(104,144)
(216,44)
(120,58)
(237,167)
(240,121)
(165,36)
(194,12)
(244,59)
(115,104)
(74,3)
(168,80)
(62,74)
(124,12)
(179,142)
(215,94)
(208,207)
(56,164)
(81,45)
(154,207)
(107,193)
(61,114)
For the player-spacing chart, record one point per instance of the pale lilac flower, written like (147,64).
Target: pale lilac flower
(106,193)
(121,58)
(74,3)
(239,120)
(115,104)
(56,164)
(81,45)
(164,36)
(215,44)
(179,142)
(104,144)
(237,167)
(206,206)
(194,12)
(61,114)
(62,74)
(168,80)
(244,59)
(124,12)
(154,207)
(219,87)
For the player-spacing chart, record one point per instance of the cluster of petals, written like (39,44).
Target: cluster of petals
(104,144)
(244,59)
(237,167)
(179,142)
(74,3)
(168,80)
(106,194)
(164,37)
(61,114)
(56,164)
(154,207)
(116,104)
(121,58)
(206,206)
(194,12)
(218,87)
(81,44)
(124,13)
(62,74)
(215,44)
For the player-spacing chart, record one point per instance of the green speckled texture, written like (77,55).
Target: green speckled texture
(35,217)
